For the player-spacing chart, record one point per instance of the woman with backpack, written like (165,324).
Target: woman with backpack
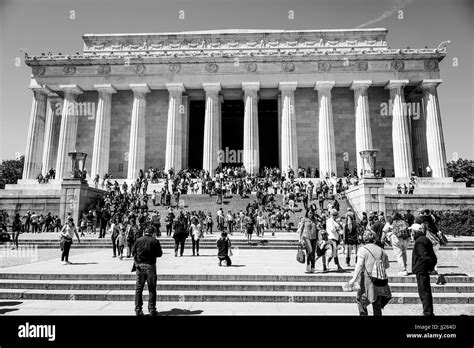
(399,236)
(372,261)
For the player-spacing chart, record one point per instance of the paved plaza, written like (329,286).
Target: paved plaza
(95,273)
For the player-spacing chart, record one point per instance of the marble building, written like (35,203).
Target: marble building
(287,98)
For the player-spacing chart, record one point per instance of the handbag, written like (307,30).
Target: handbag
(300,255)
(379,275)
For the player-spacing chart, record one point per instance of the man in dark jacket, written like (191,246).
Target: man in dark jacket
(223,245)
(145,250)
(423,262)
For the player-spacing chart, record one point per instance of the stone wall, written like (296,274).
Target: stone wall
(429,201)
(86,126)
(121,112)
(306,110)
(381,128)
(156,119)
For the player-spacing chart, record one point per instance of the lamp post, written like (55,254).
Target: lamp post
(369,160)
(78,160)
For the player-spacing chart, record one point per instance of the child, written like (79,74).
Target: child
(322,248)
(121,240)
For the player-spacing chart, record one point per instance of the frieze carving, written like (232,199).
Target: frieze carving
(69,69)
(104,70)
(174,68)
(212,67)
(139,68)
(324,66)
(38,70)
(362,66)
(431,65)
(398,65)
(251,67)
(288,67)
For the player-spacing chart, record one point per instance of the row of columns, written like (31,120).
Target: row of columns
(41,129)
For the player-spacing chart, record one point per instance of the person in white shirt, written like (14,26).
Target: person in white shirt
(196,235)
(67,233)
(333,228)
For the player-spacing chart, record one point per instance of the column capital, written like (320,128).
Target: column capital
(324,85)
(429,83)
(360,84)
(140,88)
(287,86)
(43,89)
(391,84)
(175,87)
(71,89)
(211,87)
(250,86)
(105,88)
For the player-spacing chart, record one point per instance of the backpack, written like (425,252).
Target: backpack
(400,229)
(379,275)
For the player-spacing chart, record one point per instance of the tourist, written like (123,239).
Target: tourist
(261,222)
(209,223)
(377,226)
(130,236)
(400,238)
(96,181)
(428,171)
(351,236)
(308,236)
(230,222)
(121,241)
(179,236)
(16,228)
(169,222)
(249,224)
(223,247)
(145,250)
(423,262)
(369,256)
(67,233)
(333,228)
(114,232)
(196,234)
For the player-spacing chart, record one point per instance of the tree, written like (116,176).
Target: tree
(462,170)
(11,171)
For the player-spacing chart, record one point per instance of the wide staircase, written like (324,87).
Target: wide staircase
(265,271)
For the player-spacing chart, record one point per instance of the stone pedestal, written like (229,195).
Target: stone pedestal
(76,197)
(368,196)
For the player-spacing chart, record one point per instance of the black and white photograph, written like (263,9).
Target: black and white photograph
(238,165)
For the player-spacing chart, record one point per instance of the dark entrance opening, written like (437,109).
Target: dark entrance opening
(232,132)
(268,132)
(196,133)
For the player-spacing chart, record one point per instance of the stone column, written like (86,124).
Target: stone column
(418,136)
(185,109)
(49,133)
(251,145)
(136,152)
(279,130)
(434,129)
(34,143)
(363,132)
(100,154)
(327,147)
(174,132)
(289,146)
(402,156)
(212,134)
(68,132)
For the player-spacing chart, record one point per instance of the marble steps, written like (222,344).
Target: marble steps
(223,296)
(203,285)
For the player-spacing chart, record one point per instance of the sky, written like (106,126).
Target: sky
(46,25)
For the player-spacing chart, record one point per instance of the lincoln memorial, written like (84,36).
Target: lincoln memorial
(284,98)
